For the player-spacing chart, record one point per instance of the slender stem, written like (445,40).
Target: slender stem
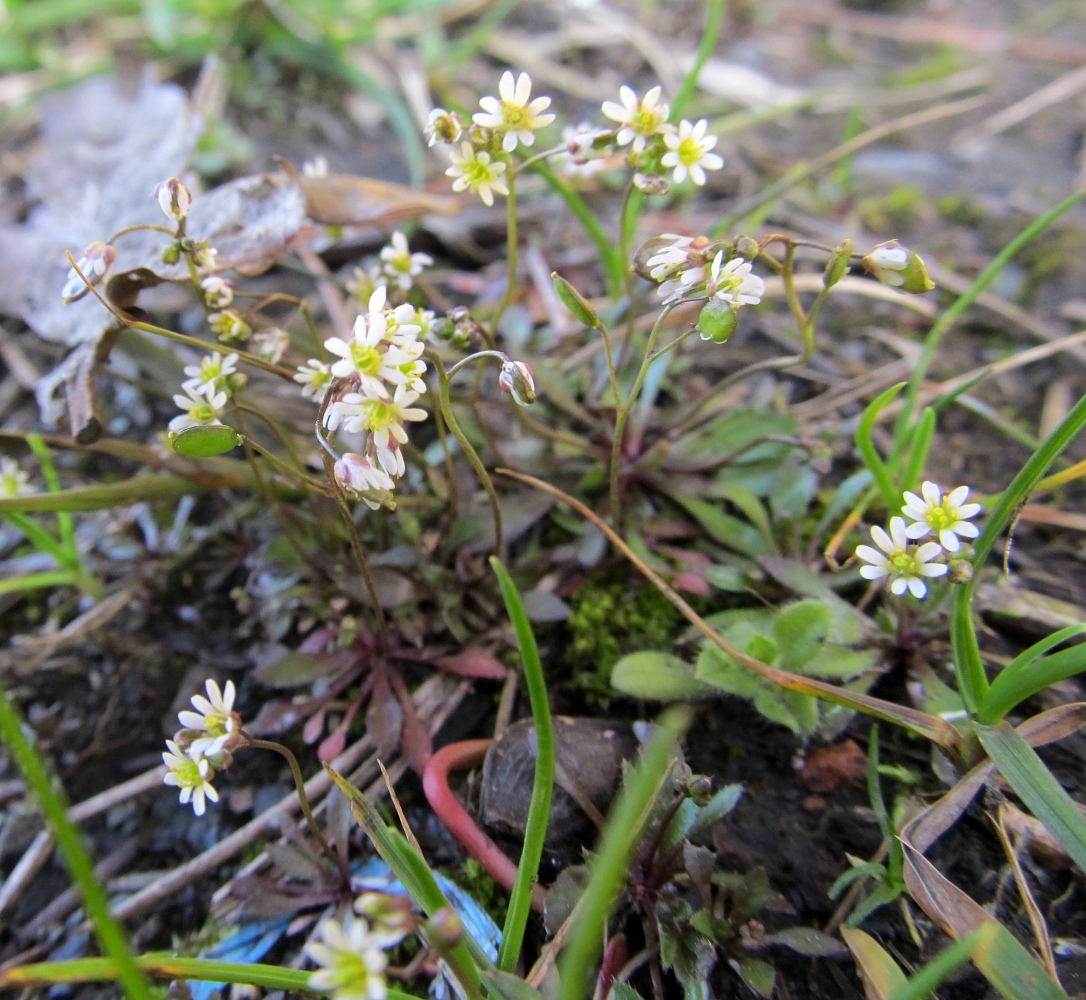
(511,252)
(13,732)
(201,345)
(535,158)
(628,276)
(340,495)
(622,414)
(299,784)
(463,362)
(612,372)
(469,451)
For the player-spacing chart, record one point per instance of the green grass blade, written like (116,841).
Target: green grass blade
(64,519)
(872,459)
(613,264)
(611,865)
(413,871)
(94,970)
(1034,784)
(970,669)
(520,901)
(145,487)
(925,982)
(714,17)
(39,537)
(35,581)
(110,933)
(950,316)
(1031,672)
(919,445)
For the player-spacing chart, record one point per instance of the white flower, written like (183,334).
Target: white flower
(201,408)
(314,377)
(14,482)
(270,344)
(358,473)
(476,171)
(94,263)
(581,158)
(670,257)
(399,264)
(887,262)
(688,151)
(173,198)
(442,126)
(383,418)
(513,114)
(352,959)
(192,775)
(947,517)
(424,320)
(211,373)
(904,565)
(640,119)
(215,716)
(389,458)
(218,292)
(229,327)
(733,283)
(368,357)
(391,918)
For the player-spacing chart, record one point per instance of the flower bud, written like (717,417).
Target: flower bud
(174,199)
(204,255)
(717,321)
(516,379)
(575,302)
(96,260)
(442,126)
(651,184)
(837,265)
(218,292)
(444,929)
(747,247)
(172,253)
(700,789)
(960,571)
(899,267)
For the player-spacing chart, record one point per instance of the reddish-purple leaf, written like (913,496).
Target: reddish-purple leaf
(314,727)
(473,663)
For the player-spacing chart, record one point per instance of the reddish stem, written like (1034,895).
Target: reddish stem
(435,783)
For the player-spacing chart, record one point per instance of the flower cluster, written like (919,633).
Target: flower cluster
(906,565)
(509,122)
(382,368)
(694,267)
(351,953)
(203,746)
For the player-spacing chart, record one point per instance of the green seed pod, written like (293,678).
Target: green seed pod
(837,265)
(206,441)
(717,321)
(574,301)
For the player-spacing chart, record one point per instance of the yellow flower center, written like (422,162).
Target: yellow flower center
(689,152)
(367,360)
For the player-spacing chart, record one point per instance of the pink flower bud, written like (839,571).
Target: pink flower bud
(174,199)
(516,379)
